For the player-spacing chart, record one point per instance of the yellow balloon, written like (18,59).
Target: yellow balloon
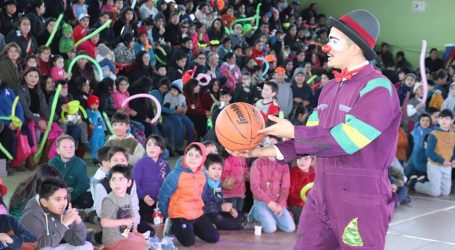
(305,189)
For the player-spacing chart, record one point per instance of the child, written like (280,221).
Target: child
(223,214)
(284,93)
(120,94)
(103,169)
(267,105)
(175,100)
(13,235)
(79,7)
(71,122)
(180,199)
(441,158)
(96,124)
(398,188)
(117,217)
(301,174)
(66,42)
(235,172)
(246,92)
(120,125)
(49,219)
(29,188)
(74,171)
(149,173)
(58,71)
(81,30)
(417,164)
(270,186)
(119,156)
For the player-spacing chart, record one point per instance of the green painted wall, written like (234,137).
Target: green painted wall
(400,26)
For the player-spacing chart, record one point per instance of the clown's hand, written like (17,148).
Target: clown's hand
(282,128)
(255,153)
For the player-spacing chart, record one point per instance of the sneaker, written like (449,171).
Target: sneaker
(167,232)
(406,200)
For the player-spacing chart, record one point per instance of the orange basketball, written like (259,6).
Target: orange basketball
(237,125)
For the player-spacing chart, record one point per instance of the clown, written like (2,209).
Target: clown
(354,136)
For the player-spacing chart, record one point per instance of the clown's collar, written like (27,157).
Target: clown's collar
(358,66)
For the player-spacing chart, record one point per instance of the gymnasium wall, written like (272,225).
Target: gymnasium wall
(401,27)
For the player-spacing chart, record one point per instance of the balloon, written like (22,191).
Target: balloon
(305,189)
(97,65)
(151,97)
(108,123)
(247,27)
(5,152)
(266,69)
(133,4)
(72,108)
(310,81)
(163,62)
(255,18)
(49,122)
(54,31)
(203,79)
(105,25)
(423,74)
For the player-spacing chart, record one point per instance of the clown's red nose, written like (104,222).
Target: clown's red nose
(326,48)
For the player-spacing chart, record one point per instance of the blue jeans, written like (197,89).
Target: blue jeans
(175,127)
(270,221)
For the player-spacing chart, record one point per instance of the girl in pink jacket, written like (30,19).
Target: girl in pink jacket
(270,182)
(235,171)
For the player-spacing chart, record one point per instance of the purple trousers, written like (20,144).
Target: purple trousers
(330,209)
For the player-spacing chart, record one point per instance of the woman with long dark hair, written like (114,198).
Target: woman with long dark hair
(141,67)
(29,188)
(126,22)
(36,109)
(217,30)
(196,110)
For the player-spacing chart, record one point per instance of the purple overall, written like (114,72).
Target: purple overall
(354,138)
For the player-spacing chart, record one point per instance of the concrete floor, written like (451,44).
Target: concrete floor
(426,224)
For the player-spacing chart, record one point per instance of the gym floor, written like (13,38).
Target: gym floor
(426,224)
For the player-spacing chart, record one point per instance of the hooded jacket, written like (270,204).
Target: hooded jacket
(49,229)
(17,232)
(181,195)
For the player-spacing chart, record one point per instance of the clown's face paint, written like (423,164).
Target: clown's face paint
(339,49)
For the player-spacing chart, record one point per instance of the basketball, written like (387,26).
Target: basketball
(237,125)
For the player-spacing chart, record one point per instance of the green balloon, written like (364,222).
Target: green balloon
(247,27)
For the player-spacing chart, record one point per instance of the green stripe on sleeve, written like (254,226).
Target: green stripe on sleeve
(343,140)
(377,83)
(364,128)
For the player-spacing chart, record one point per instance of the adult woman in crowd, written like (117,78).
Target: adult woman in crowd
(9,64)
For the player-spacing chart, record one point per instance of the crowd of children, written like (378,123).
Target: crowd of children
(194,57)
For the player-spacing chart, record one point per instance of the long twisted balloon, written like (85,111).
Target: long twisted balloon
(423,74)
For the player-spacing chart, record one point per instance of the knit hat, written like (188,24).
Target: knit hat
(280,70)
(178,85)
(297,71)
(93,99)
(103,50)
(362,27)
(66,28)
(416,86)
(410,75)
(3,188)
(141,30)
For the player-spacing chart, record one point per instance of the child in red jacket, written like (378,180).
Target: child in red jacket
(301,174)
(268,105)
